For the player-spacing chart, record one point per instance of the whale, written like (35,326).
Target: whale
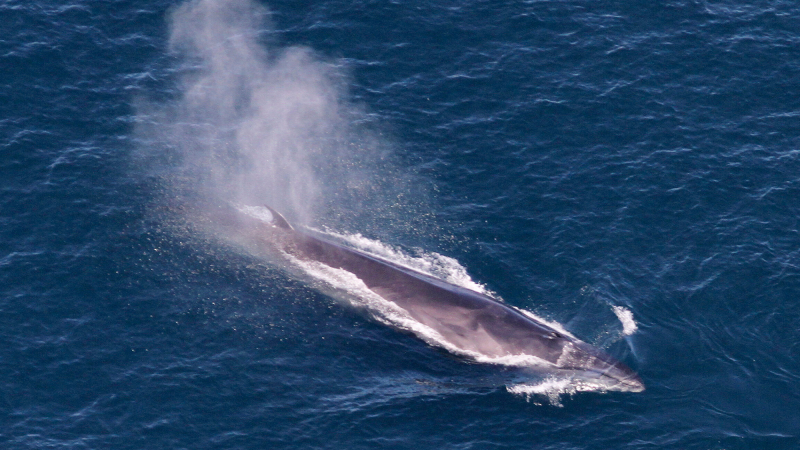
(469,322)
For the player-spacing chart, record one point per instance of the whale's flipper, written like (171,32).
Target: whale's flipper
(278,219)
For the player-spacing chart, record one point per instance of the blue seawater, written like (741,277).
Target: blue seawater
(573,156)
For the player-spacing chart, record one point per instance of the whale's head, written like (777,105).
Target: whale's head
(594,367)
(617,377)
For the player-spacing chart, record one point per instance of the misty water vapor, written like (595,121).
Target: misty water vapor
(260,125)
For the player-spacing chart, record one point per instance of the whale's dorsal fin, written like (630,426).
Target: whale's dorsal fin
(278,219)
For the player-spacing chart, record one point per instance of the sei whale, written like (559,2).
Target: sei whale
(467,320)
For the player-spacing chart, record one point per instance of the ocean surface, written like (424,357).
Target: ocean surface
(629,170)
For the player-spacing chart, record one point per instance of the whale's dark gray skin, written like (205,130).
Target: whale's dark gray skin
(467,320)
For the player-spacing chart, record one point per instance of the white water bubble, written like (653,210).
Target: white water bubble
(625,317)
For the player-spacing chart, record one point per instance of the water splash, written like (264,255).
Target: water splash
(430,263)
(552,389)
(625,317)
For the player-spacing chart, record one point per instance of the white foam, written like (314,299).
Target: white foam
(429,263)
(625,316)
(522,360)
(552,388)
